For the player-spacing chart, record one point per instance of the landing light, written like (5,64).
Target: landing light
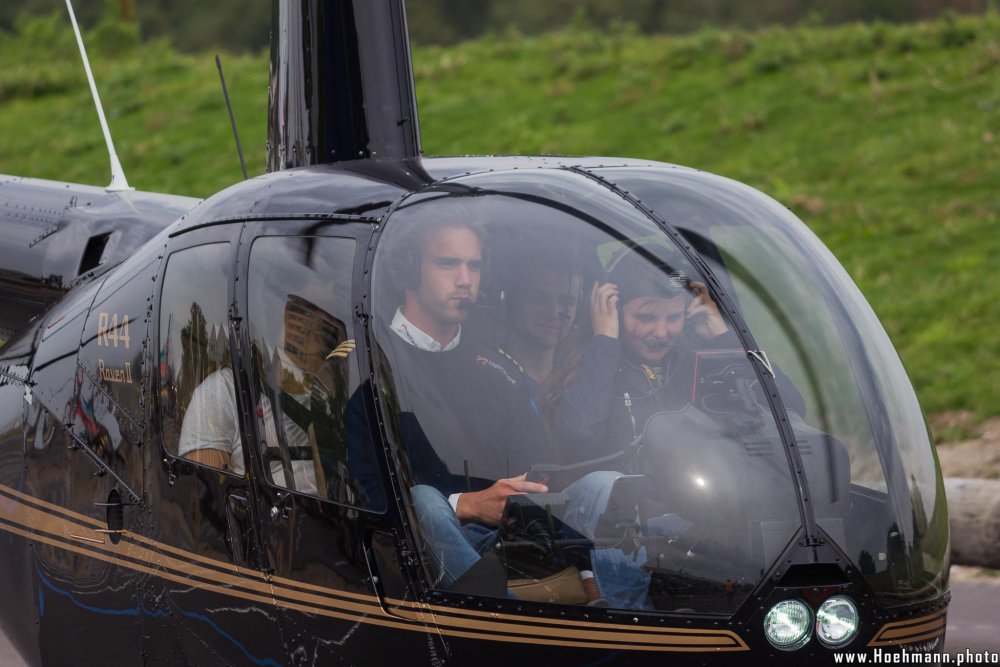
(788,625)
(836,621)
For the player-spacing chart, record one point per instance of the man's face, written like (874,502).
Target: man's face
(652,325)
(542,304)
(449,276)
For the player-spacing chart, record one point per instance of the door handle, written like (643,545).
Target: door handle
(240,535)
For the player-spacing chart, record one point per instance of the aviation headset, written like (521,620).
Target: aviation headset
(638,272)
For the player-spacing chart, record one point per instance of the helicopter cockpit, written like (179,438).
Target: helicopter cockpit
(479,409)
(672,379)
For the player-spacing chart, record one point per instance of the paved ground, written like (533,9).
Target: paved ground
(974,613)
(973,618)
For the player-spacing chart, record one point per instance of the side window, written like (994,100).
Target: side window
(197,393)
(305,364)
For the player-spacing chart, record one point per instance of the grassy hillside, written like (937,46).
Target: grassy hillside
(884,139)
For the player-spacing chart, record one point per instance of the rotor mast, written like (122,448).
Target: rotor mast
(341,84)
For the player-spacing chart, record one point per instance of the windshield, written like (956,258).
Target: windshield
(572,414)
(812,321)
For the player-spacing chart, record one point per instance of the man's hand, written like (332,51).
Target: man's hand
(604,309)
(486,506)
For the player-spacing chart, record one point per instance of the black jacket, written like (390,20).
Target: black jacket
(606,406)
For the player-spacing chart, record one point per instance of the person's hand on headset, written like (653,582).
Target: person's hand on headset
(604,309)
(704,313)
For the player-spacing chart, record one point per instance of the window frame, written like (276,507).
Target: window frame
(229,235)
(358,231)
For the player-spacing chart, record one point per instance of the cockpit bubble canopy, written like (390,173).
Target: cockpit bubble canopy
(552,322)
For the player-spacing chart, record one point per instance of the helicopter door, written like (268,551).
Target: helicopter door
(211,599)
(321,490)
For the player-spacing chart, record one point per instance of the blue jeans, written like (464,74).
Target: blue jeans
(454,548)
(619,577)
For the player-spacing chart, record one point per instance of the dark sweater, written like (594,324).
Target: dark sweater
(464,410)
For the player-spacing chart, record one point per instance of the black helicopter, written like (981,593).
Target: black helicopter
(214,431)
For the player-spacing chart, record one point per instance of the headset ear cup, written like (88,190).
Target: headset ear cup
(401,272)
(405,270)
(411,268)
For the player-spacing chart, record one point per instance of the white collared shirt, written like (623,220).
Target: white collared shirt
(409,332)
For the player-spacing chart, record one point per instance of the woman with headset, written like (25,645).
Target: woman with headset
(644,316)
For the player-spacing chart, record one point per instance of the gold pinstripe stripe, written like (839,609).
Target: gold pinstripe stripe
(225,590)
(911,630)
(405,609)
(404,606)
(916,630)
(222,566)
(57,508)
(678,637)
(907,640)
(148,556)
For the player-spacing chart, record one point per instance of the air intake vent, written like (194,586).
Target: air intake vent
(93,252)
(814,575)
(759,448)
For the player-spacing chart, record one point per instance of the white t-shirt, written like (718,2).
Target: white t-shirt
(212,422)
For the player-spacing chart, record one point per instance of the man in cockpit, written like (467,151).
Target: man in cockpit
(210,431)
(466,421)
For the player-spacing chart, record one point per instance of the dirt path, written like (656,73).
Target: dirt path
(968,448)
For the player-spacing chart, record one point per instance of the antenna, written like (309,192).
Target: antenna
(118,182)
(232,118)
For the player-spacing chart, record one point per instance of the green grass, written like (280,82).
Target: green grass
(884,139)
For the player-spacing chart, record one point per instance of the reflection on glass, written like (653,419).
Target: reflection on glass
(305,365)
(813,322)
(197,397)
(574,418)
(784,317)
